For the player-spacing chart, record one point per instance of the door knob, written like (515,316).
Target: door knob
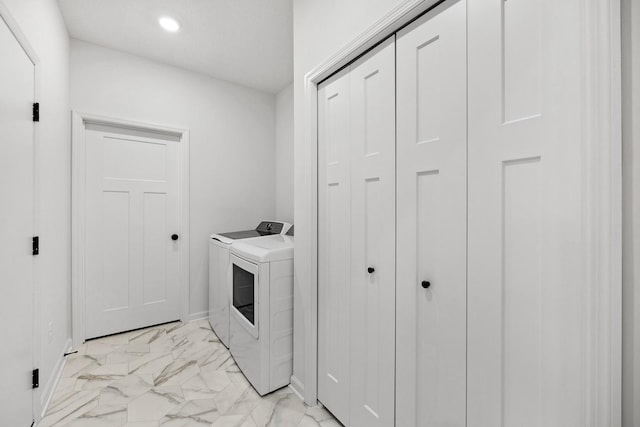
(174,237)
(371,270)
(426,284)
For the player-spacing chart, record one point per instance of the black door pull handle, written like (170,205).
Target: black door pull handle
(371,270)
(426,284)
(174,237)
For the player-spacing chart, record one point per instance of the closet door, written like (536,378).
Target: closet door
(373,237)
(334,216)
(527,327)
(432,221)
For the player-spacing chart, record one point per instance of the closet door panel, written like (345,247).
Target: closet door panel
(431,219)
(334,217)
(373,237)
(526,337)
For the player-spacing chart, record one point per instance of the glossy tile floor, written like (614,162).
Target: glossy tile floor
(175,375)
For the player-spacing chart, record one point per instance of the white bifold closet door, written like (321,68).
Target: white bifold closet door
(373,219)
(334,225)
(357,241)
(527,337)
(432,219)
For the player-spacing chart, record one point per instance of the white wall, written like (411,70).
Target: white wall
(284,154)
(631,212)
(320,29)
(41,22)
(232,139)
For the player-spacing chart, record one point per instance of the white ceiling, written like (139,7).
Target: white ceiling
(249,42)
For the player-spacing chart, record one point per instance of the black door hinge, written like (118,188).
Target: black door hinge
(36,111)
(35,378)
(35,247)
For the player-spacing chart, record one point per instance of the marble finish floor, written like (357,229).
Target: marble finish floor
(174,375)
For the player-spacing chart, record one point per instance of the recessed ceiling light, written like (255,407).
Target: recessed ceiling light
(169,24)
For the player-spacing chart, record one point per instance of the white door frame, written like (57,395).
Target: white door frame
(79,121)
(601,106)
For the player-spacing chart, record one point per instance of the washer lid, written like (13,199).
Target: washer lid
(228,238)
(246,234)
(265,228)
(264,249)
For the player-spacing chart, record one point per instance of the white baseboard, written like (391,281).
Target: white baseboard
(52,383)
(198,316)
(297,387)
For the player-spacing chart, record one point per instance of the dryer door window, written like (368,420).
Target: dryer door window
(244,293)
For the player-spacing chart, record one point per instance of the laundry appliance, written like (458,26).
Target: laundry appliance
(261,328)
(219,284)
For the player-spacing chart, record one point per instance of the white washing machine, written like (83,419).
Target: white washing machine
(219,284)
(262,310)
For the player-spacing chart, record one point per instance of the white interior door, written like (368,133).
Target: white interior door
(132,205)
(432,220)
(527,341)
(372,321)
(334,235)
(16,223)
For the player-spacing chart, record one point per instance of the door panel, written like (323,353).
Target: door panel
(526,342)
(431,222)
(132,209)
(155,232)
(521,293)
(372,144)
(115,243)
(334,216)
(16,222)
